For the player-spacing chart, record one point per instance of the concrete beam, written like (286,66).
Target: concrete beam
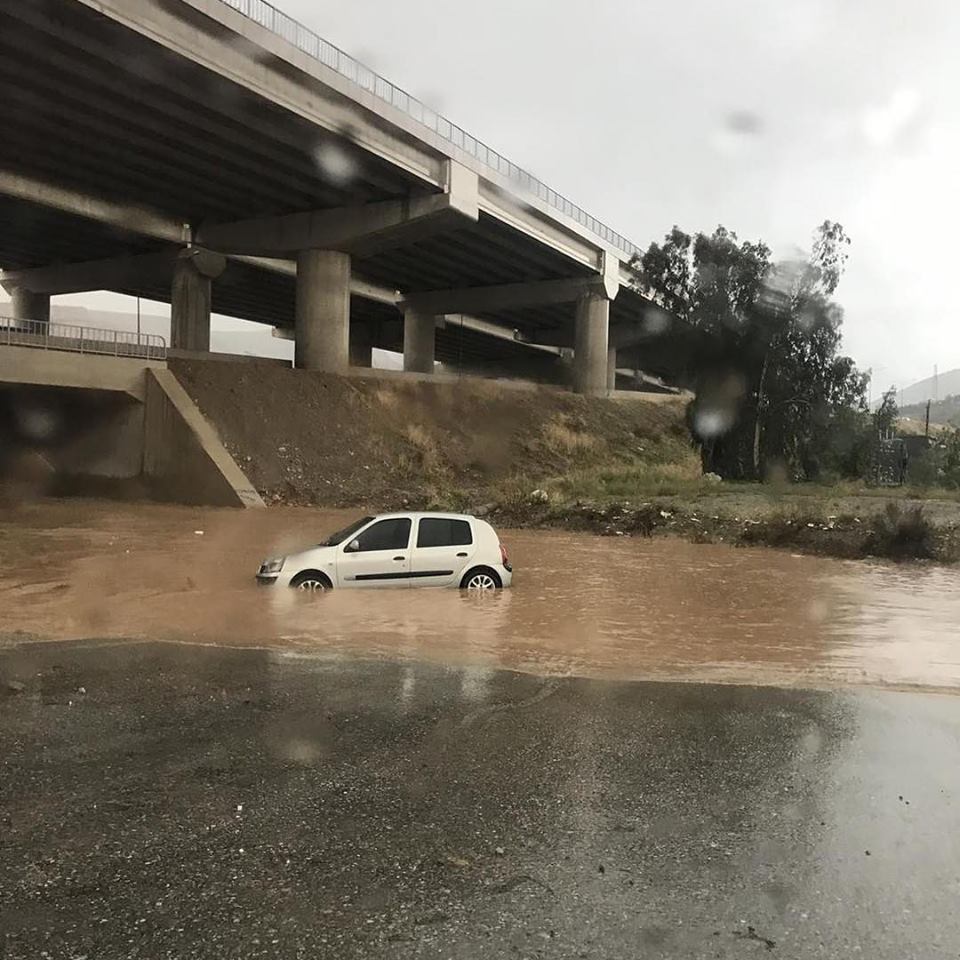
(127,273)
(125,216)
(623,335)
(502,297)
(488,328)
(116,273)
(361,231)
(358,286)
(610,274)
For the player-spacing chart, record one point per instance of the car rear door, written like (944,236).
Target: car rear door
(381,557)
(442,550)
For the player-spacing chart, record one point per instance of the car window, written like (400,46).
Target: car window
(443,532)
(386,535)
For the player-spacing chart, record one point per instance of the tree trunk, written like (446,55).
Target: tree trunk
(758,424)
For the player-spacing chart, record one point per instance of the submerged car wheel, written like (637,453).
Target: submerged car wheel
(482,578)
(311,582)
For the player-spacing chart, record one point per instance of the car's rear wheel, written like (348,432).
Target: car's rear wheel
(481,578)
(311,581)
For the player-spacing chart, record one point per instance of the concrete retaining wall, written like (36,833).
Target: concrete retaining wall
(183,459)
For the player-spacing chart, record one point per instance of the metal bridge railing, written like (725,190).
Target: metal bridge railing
(315,46)
(76,339)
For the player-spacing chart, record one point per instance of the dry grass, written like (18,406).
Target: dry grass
(513,490)
(420,437)
(667,468)
(560,436)
(387,397)
(427,456)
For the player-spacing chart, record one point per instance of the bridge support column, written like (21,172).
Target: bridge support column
(322,327)
(612,369)
(191,297)
(590,353)
(27,305)
(419,341)
(361,346)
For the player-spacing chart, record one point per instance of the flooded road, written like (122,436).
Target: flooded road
(582,605)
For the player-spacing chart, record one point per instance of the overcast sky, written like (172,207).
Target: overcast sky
(764,115)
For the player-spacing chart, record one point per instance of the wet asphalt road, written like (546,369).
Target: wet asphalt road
(203,802)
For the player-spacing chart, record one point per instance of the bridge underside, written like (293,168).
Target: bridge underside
(117,146)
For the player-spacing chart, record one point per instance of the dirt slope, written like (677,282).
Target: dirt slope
(315,438)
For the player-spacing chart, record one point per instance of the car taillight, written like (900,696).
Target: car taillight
(504,559)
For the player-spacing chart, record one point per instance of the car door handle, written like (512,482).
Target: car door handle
(399,558)
(461,554)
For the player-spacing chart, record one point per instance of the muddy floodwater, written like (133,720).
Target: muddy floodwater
(582,605)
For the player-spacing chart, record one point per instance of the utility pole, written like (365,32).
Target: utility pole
(926,426)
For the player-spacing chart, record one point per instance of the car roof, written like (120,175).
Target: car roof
(420,514)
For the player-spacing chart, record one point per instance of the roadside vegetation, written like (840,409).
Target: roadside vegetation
(774,396)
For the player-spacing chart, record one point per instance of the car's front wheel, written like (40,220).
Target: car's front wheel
(311,581)
(481,578)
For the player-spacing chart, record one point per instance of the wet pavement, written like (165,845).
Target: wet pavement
(179,801)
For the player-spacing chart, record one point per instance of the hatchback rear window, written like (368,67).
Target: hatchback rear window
(442,532)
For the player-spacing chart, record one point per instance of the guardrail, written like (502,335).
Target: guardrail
(75,339)
(303,38)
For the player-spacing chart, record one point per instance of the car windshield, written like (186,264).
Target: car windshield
(335,539)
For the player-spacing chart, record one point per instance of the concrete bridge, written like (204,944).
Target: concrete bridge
(217,155)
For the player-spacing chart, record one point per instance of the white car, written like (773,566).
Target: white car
(399,550)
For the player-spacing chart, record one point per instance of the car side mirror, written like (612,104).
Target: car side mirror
(352,547)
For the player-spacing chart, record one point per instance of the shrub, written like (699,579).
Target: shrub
(901,533)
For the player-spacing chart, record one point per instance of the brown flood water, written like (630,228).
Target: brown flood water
(581,605)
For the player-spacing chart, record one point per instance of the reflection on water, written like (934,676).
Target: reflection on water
(581,605)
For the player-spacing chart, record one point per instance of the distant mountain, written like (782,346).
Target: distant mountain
(946,385)
(109,319)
